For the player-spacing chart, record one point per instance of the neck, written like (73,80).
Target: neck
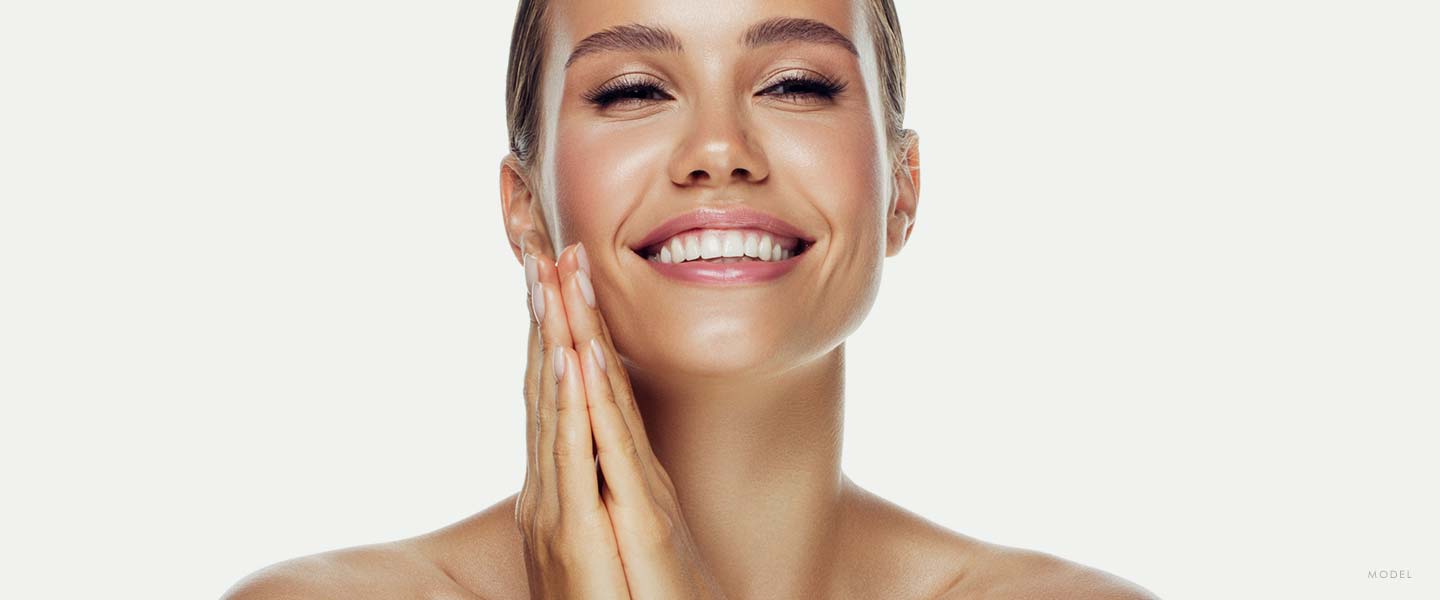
(756,466)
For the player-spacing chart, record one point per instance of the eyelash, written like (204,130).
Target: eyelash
(617,91)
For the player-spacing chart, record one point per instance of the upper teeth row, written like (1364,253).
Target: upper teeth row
(716,243)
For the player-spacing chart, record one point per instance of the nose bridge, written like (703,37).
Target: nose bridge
(718,146)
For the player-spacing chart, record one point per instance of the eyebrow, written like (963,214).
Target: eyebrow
(649,38)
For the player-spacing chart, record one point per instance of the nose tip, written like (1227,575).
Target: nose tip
(719,150)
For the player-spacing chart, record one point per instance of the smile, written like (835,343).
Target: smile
(736,245)
(720,245)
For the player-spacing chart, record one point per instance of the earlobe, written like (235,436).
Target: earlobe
(520,212)
(900,220)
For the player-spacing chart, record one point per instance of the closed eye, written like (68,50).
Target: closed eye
(627,91)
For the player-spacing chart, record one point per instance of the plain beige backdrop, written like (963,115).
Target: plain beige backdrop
(1168,308)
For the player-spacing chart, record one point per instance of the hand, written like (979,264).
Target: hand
(569,543)
(658,553)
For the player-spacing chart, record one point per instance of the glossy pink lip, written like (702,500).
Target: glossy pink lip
(748,271)
(721,218)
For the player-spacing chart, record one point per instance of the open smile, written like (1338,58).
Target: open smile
(727,246)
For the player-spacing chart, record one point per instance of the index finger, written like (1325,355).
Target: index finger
(586,323)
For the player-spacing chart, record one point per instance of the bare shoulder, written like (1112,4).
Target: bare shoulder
(477,558)
(998,572)
(390,570)
(939,563)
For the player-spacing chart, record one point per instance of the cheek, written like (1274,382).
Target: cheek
(837,165)
(833,162)
(601,173)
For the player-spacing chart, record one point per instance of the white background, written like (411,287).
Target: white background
(1169,309)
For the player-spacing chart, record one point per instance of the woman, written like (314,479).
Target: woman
(702,196)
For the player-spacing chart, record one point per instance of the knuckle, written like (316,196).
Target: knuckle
(629,449)
(565,448)
(624,450)
(659,529)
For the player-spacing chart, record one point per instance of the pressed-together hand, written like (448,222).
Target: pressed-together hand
(618,533)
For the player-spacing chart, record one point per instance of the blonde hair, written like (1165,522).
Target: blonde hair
(527,58)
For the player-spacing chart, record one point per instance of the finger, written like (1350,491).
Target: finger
(588,322)
(624,393)
(532,392)
(575,478)
(554,333)
(623,468)
(554,326)
(625,473)
(531,255)
(535,349)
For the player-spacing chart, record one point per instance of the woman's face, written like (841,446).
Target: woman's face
(707,127)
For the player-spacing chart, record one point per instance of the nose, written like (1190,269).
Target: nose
(718,150)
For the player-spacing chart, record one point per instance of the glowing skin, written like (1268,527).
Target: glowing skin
(741,387)
(618,171)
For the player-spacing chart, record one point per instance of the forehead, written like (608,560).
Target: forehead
(700,26)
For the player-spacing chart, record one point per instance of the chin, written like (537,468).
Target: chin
(715,348)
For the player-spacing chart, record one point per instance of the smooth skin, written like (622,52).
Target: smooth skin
(598,516)
(731,484)
(627,538)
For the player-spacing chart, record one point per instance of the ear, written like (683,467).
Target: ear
(520,208)
(900,216)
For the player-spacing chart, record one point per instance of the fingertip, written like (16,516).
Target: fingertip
(597,354)
(561,358)
(532,270)
(581,260)
(567,261)
(537,302)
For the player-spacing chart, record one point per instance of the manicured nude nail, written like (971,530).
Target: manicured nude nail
(559,363)
(597,354)
(585,289)
(581,258)
(537,301)
(532,271)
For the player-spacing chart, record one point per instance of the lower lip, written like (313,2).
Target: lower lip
(736,273)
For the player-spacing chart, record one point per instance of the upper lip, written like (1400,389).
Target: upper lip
(721,218)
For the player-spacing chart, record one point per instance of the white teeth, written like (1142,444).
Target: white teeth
(721,243)
(710,244)
(677,250)
(732,244)
(692,247)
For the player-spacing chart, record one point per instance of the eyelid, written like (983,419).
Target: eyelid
(791,73)
(825,88)
(622,82)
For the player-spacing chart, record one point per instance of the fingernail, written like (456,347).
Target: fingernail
(597,354)
(559,363)
(537,301)
(580,255)
(532,271)
(585,288)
